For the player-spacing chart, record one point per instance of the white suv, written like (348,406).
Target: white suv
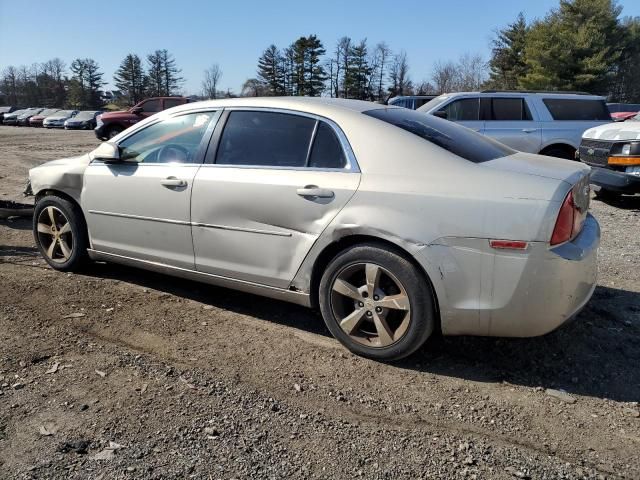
(535,122)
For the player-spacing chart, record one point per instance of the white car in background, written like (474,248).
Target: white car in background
(57,119)
(547,123)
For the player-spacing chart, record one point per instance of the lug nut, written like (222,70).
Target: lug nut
(376,298)
(369,313)
(378,309)
(360,304)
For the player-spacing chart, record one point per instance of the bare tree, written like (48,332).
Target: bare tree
(379,66)
(468,74)
(444,76)
(399,75)
(211,79)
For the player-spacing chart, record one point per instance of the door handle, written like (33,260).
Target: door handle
(315,191)
(529,130)
(173,182)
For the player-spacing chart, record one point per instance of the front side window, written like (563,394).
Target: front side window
(174,140)
(513,109)
(456,139)
(151,106)
(265,139)
(465,109)
(172,102)
(576,109)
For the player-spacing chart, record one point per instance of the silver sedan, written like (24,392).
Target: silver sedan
(391,222)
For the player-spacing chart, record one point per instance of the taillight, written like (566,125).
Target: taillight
(569,222)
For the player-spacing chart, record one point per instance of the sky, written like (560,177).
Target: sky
(233,34)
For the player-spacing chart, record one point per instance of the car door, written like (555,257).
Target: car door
(140,206)
(466,112)
(510,121)
(271,185)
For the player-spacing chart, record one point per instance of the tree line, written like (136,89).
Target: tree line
(51,84)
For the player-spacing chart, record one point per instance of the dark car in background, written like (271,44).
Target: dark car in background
(112,123)
(412,102)
(12,118)
(6,110)
(36,120)
(57,119)
(23,119)
(84,120)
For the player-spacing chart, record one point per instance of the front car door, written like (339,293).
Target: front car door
(140,207)
(272,182)
(510,121)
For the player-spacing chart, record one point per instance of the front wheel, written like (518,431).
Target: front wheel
(376,302)
(113,131)
(60,233)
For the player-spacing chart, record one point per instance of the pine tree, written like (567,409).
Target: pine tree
(85,84)
(271,72)
(162,74)
(130,79)
(359,75)
(507,62)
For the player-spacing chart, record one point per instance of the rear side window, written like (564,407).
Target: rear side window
(576,109)
(326,151)
(265,139)
(465,109)
(509,109)
(456,139)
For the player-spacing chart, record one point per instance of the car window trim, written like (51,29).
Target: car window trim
(202,147)
(352,165)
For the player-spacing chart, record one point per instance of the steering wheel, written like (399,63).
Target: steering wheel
(173,153)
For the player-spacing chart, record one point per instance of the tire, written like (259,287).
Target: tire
(604,194)
(113,131)
(409,322)
(559,152)
(69,252)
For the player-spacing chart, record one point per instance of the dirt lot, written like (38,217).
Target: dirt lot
(191,381)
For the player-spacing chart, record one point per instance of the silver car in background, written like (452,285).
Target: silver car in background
(393,223)
(548,123)
(57,119)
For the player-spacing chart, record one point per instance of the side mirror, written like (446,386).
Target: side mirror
(440,114)
(107,152)
(136,110)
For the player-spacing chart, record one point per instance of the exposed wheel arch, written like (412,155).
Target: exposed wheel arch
(334,248)
(559,150)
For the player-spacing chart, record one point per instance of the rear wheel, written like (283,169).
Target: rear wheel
(376,302)
(60,233)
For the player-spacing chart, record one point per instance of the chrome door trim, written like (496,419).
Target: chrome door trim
(293,296)
(192,224)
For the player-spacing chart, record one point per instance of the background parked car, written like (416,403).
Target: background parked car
(23,119)
(36,120)
(613,152)
(6,110)
(57,119)
(112,123)
(85,120)
(12,118)
(623,116)
(536,122)
(412,102)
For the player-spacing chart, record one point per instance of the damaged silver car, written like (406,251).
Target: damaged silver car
(393,223)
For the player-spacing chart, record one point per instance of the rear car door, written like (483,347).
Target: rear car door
(139,207)
(510,121)
(466,112)
(272,182)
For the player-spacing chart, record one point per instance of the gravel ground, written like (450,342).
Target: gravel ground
(120,373)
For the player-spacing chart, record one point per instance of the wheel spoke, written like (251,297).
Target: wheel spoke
(51,249)
(66,251)
(385,335)
(372,273)
(346,289)
(51,216)
(395,302)
(42,228)
(352,321)
(66,228)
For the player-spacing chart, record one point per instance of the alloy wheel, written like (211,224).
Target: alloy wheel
(55,235)
(370,304)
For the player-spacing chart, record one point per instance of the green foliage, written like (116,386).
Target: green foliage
(508,62)
(272,71)
(163,77)
(85,84)
(130,79)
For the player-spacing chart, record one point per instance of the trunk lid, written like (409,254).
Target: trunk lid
(569,171)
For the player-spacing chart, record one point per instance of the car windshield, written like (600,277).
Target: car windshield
(431,104)
(49,111)
(64,113)
(85,115)
(456,139)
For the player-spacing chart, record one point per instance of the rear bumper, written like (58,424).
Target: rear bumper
(486,292)
(615,181)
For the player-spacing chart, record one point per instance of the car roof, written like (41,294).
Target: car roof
(559,95)
(315,105)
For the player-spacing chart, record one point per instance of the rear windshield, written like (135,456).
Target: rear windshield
(456,139)
(576,109)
